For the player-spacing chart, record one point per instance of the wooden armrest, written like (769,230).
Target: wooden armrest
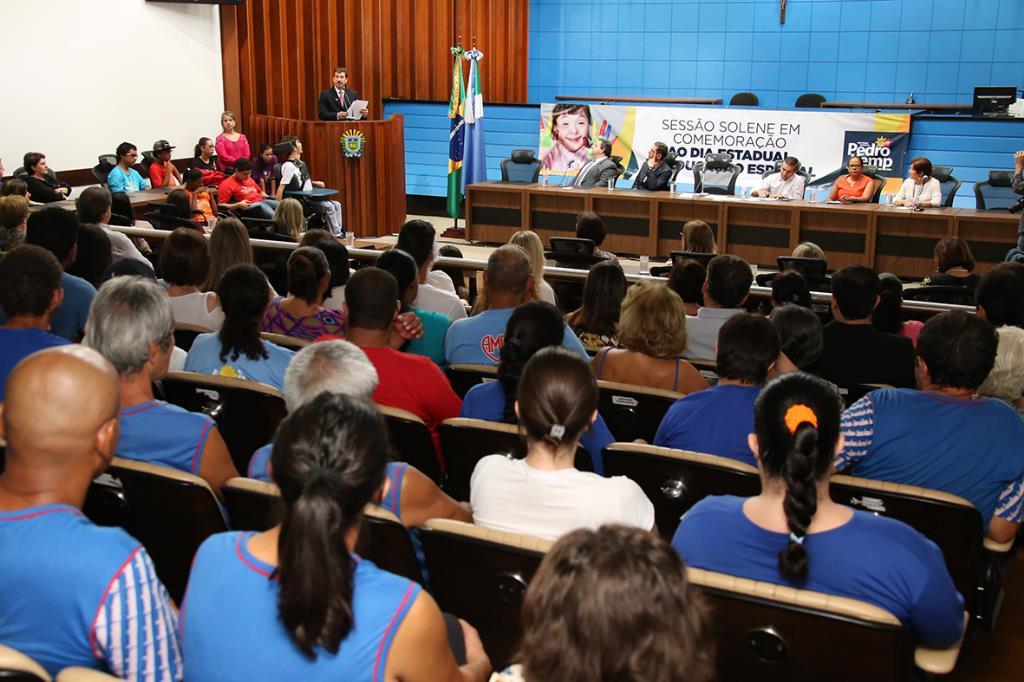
(940,661)
(995,546)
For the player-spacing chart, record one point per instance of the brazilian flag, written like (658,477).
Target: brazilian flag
(456,138)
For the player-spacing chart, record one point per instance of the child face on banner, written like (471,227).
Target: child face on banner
(571,131)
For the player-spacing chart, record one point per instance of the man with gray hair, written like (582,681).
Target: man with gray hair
(507,282)
(131,325)
(342,367)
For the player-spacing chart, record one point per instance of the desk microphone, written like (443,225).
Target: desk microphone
(568,167)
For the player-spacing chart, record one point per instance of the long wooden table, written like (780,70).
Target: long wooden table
(890,239)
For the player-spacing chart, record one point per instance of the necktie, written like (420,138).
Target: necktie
(582,173)
(342,97)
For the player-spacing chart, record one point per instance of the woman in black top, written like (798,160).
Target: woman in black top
(954,264)
(42,187)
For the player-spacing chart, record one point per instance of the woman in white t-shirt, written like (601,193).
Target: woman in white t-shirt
(184,266)
(543,494)
(920,189)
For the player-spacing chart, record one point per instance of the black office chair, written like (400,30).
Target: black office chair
(996,193)
(572,252)
(679,257)
(814,271)
(463,377)
(716,174)
(411,441)
(801,171)
(633,412)
(947,183)
(811,100)
(166,217)
(941,294)
(879,181)
(743,99)
(522,167)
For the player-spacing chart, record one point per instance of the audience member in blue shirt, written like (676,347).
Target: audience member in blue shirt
(530,327)
(72,593)
(435,325)
(132,326)
(237,350)
(794,534)
(943,437)
(716,421)
(478,339)
(29,293)
(294,602)
(124,178)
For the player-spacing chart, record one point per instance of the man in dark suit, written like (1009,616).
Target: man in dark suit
(600,169)
(334,102)
(655,174)
(855,352)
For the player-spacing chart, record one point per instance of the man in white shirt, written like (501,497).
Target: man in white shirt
(94,206)
(436,291)
(786,184)
(725,290)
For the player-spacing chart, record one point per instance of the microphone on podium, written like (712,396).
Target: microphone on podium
(568,167)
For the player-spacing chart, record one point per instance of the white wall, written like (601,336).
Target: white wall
(81,76)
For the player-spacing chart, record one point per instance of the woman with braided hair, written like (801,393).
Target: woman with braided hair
(794,534)
(294,602)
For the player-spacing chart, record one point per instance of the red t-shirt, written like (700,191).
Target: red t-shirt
(156,176)
(231,191)
(415,384)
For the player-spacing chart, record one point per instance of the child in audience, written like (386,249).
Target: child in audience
(597,320)
(263,169)
(294,602)
(544,494)
(794,534)
(201,199)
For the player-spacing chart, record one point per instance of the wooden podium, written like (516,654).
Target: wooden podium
(371,188)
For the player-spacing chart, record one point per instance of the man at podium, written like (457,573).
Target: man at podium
(335,102)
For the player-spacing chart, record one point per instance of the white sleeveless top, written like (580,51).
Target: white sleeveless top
(192,309)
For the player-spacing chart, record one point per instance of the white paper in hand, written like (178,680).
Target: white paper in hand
(355,112)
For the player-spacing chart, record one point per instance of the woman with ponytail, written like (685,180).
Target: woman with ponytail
(794,534)
(294,602)
(531,327)
(300,314)
(544,494)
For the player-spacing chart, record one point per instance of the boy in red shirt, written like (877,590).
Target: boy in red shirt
(240,192)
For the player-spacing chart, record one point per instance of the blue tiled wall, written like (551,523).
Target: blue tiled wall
(859,50)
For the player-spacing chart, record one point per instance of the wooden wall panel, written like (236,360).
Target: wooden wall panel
(278,55)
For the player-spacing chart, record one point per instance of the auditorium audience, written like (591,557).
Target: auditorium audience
(544,494)
(231,145)
(920,188)
(239,192)
(800,338)
(43,187)
(888,314)
(95,207)
(30,292)
(237,350)
(954,264)
(808,250)
(13,221)
(1006,380)
(1000,295)
(725,291)
(229,245)
(596,321)
(289,220)
(92,256)
(856,352)
(698,237)
(794,534)
(408,382)
(207,163)
(532,327)
(529,242)
(14,187)
(76,594)
(337,260)
(131,325)
(435,325)
(162,171)
(184,267)
(263,169)
(855,187)
(436,291)
(716,421)
(300,314)
(123,177)
(652,335)
(56,230)
(477,340)
(612,604)
(326,612)
(590,226)
(789,287)
(457,275)
(687,280)
(922,437)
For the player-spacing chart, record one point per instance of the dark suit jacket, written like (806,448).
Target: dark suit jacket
(599,174)
(653,178)
(860,354)
(329,104)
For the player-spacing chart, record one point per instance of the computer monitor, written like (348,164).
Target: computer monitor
(991,100)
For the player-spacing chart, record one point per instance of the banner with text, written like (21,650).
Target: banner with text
(823,141)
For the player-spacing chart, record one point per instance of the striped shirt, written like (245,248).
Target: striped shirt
(75,594)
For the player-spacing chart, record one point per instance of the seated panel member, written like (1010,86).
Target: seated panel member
(655,174)
(240,192)
(786,184)
(920,189)
(162,172)
(73,593)
(124,178)
(855,187)
(600,169)
(334,102)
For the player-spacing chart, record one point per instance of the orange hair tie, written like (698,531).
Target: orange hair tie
(799,414)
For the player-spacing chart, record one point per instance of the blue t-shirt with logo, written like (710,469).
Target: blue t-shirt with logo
(204,357)
(477,340)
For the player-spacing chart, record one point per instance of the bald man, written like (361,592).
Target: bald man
(72,593)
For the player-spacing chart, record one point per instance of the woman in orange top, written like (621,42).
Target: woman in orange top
(854,187)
